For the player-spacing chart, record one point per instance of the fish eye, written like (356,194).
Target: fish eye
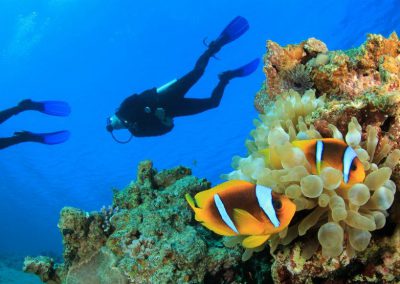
(277,204)
(353,167)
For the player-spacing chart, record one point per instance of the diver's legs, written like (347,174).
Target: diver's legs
(6,114)
(13,140)
(22,106)
(179,89)
(185,106)
(235,29)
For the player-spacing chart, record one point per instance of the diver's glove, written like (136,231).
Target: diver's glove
(160,114)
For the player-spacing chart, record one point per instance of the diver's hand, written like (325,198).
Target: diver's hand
(167,121)
(160,113)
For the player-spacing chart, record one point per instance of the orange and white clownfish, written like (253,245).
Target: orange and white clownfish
(238,207)
(327,152)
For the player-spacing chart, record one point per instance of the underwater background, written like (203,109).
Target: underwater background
(93,54)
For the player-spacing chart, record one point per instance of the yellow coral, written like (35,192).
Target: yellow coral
(339,218)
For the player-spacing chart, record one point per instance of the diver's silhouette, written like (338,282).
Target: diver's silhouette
(56,108)
(151,113)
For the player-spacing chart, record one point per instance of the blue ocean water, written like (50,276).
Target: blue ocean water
(93,54)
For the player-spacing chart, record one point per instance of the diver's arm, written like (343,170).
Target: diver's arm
(6,114)
(157,129)
(164,119)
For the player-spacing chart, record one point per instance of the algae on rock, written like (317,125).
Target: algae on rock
(150,238)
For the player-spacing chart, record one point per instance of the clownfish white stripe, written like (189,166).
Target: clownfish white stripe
(224,215)
(318,154)
(264,198)
(348,158)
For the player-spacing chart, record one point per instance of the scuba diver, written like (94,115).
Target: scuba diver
(151,112)
(56,108)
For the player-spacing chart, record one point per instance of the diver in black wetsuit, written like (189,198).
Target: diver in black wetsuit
(151,113)
(55,108)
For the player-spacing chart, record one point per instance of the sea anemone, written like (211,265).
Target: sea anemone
(333,217)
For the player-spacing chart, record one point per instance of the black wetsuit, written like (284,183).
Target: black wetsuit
(137,112)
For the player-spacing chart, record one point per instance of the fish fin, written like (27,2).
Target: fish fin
(202,197)
(302,144)
(271,158)
(246,223)
(319,167)
(255,241)
(219,229)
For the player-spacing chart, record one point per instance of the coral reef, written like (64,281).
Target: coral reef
(355,99)
(373,68)
(146,236)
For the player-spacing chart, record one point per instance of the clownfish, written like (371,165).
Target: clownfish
(238,207)
(327,152)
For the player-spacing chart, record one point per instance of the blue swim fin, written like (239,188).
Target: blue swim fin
(237,27)
(50,138)
(54,137)
(56,108)
(242,71)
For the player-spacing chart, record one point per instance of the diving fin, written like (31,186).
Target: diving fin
(50,138)
(56,108)
(242,71)
(237,27)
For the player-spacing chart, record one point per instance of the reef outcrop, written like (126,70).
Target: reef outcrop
(338,234)
(146,236)
(373,67)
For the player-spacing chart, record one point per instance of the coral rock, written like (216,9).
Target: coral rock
(43,267)
(147,236)
(373,67)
